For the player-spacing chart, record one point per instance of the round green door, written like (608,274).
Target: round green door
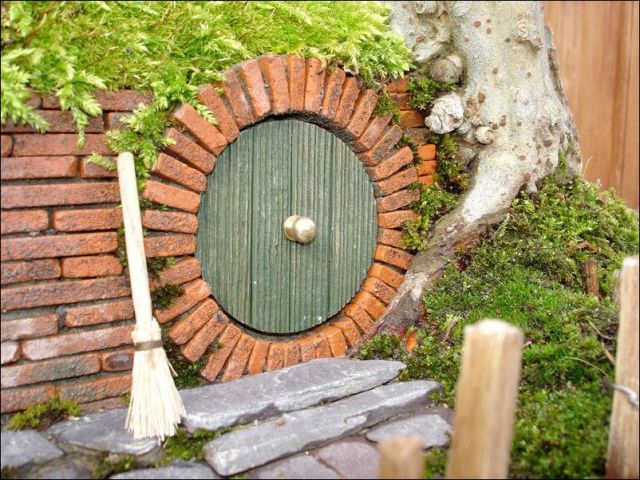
(273,171)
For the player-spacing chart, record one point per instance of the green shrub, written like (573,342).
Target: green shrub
(44,414)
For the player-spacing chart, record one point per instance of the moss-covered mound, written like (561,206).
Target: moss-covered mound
(72,49)
(529,273)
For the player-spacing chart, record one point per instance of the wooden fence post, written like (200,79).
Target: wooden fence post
(486,399)
(401,457)
(622,458)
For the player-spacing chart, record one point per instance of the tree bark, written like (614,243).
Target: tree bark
(516,119)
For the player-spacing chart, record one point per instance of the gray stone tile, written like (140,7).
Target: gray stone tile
(26,446)
(294,388)
(256,445)
(184,470)
(429,426)
(104,431)
(65,468)
(351,458)
(299,466)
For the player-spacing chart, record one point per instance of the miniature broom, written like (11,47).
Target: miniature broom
(155,408)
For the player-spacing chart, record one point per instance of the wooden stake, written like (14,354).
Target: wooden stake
(486,401)
(622,458)
(590,275)
(401,457)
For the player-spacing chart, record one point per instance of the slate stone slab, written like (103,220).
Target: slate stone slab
(26,446)
(430,427)
(64,469)
(351,458)
(250,447)
(299,466)
(102,431)
(294,388)
(185,470)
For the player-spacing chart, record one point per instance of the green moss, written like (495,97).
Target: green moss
(121,251)
(9,473)
(146,204)
(451,172)
(433,203)
(44,414)
(561,433)
(126,398)
(171,48)
(385,105)
(440,197)
(158,264)
(382,346)
(188,446)
(406,141)
(164,296)
(435,462)
(529,274)
(424,91)
(103,162)
(452,179)
(110,464)
(143,136)
(187,373)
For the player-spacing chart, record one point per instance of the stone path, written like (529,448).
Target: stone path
(320,419)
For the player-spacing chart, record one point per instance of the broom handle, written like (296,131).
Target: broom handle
(134,240)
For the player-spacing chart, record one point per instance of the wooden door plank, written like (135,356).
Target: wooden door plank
(313,175)
(270,252)
(355,227)
(224,233)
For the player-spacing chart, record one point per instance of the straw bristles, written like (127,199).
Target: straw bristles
(155,408)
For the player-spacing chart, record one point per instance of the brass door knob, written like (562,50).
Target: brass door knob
(299,229)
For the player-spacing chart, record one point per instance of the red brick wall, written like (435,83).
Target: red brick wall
(66,308)
(66,312)
(412,122)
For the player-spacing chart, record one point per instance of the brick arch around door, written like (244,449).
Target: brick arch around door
(291,87)
(67,313)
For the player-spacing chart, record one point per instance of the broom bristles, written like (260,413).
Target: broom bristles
(155,408)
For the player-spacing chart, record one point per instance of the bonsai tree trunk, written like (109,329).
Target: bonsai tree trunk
(510,117)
